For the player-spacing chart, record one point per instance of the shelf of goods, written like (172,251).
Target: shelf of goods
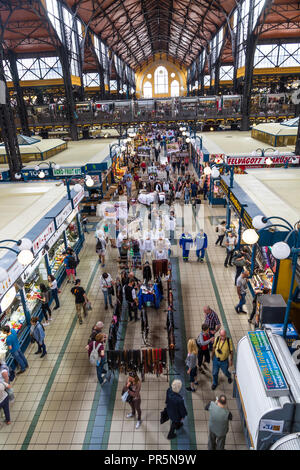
(56,256)
(14,317)
(32,287)
(72,233)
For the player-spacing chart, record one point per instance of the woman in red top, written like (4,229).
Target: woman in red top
(143,166)
(203,341)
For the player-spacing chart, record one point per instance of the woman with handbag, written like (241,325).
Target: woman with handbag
(133,387)
(54,290)
(44,298)
(4,378)
(106,284)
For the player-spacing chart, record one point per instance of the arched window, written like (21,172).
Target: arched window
(148,90)
(175,88)
(161,80)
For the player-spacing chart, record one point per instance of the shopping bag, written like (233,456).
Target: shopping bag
(125,396)
(88,306)
(164,417)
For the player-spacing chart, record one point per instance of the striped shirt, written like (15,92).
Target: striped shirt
(212,320)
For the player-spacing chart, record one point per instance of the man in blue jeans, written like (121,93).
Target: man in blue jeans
(13,345)
(242,286)
(222,356)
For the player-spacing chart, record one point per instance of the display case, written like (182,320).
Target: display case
(32,286)
(14,317)
(72,233)
(56,256)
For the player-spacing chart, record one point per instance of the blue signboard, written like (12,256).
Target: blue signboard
(273,379)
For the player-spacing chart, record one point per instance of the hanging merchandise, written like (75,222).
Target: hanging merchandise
(160,267)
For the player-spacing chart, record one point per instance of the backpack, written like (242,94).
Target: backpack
(94,356)
(72,262)
(99,245)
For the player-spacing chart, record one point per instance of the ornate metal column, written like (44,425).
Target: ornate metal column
(22,110)
(8,128)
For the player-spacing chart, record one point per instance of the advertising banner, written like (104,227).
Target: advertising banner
(250,161)
(270,371)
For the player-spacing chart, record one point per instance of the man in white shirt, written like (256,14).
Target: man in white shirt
(147,248)
(221,230)
(122,235)
(230,244)
(170,223)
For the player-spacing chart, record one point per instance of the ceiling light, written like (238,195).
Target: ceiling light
(25,244)
(280,250)
(149,76)
(172,74)
(215,173)
(42,174)
(77,188)
(89,182)
(258,222)
(18,176)
(250,237)
(25,257)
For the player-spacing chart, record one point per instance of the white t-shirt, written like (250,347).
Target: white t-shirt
(53,284)
(105,283)
(231,243)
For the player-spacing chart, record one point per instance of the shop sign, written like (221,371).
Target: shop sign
(67,172)
(56,236)
(247,219)
(34,174)
(29,269)
(224,186)
(79,196)
(270,371)
(261,161)
(235,203)
(72,215)
(14,273)
(42,239)
(271,425)
(63,215)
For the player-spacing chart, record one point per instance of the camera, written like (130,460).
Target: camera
(219,351)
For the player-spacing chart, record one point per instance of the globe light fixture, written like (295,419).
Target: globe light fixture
(269,161)
(8,298)
(183,133)
(89,181)
(25,257)
(207,171)
(280,250)
(250,237)
(211,129)
(258,222)
(215,173)
(37,168)
(18,176)
(172,74)
(188,140)
(41,174)
(77,188)
(181,129)
(149,76)
(3,274)
(25,244)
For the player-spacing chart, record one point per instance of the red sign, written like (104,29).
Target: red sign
(261,161)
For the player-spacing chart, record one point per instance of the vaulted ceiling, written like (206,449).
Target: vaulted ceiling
(137,29)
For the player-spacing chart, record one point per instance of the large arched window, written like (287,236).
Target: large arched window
(148,90)
(174,88)
(161,80)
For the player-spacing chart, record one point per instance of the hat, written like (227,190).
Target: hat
(99,325)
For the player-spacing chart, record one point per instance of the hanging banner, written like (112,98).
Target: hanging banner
(63,215)
(268,366)
(42,239)
(67,172)
(261,161)
(78,197)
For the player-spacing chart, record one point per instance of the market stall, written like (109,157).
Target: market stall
(51,236)
(267,389)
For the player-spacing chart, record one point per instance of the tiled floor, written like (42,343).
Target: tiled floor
(57,399)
